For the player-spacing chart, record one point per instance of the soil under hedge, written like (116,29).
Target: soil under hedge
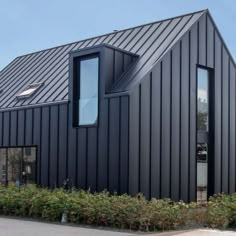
(120,211)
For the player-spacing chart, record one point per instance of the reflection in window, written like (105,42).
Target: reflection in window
(202,165)
(88,91)
(14,164)
(17,165)
(202,99)
(29,90)
(3,158)
(29,166)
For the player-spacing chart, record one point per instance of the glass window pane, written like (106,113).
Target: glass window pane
(202,166)
(18,165)
(202,98)
(29,90)
(3,174)
(88,111)
(14,165)
(29,165)
(88,101)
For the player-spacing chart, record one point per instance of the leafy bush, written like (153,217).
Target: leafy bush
(15,201)
(166,214)
(197,214)
(121,211)
(222,211)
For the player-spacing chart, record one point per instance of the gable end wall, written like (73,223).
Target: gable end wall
(163,137)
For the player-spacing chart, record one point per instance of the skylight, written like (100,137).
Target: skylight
(29,90)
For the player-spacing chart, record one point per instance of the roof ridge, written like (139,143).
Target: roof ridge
(106,34)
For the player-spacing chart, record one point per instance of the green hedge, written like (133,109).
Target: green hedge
(104,209)
(222,211)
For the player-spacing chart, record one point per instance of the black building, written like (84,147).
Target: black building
(148,109)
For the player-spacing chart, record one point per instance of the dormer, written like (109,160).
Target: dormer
(93,71)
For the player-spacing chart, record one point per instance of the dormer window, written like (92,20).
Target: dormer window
(29,90)
(86,90)
(92,73)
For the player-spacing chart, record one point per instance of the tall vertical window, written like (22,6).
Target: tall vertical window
(202,99)
(3,165)
(87,93)
(203,133)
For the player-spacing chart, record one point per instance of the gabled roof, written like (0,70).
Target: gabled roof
(51,66)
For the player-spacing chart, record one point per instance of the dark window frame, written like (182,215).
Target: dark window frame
(211,106)
(207,136)
(76,88)
(208,97)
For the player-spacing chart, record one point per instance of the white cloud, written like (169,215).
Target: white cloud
(202,94)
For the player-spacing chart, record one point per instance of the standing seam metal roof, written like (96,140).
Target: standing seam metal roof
(51,66)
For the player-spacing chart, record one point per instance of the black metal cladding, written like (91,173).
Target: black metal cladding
(163,136)
(146,138)
(51,66)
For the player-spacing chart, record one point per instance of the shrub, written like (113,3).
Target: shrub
(15,201)
(197,214)
(54,206)
(121,211)
(221,211)
(37,203)
(166,214)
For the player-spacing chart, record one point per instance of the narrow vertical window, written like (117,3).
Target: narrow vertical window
(87,91)
(203,133)
(202,172)
(202,99)
(3,166)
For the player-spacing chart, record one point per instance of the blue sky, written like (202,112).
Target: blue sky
(28,25)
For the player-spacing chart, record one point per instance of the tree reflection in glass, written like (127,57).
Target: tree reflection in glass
(14,164)
(202,98)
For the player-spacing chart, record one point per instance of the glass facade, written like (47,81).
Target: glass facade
(18,165)
(88,91)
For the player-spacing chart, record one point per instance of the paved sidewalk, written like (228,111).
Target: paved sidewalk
(13,227)
(201,232)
